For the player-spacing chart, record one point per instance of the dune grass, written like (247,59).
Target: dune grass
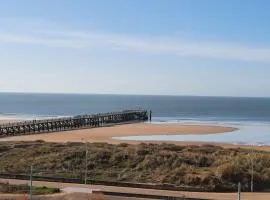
(210,167)
(24,189)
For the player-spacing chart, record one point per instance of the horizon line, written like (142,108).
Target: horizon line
(131,94)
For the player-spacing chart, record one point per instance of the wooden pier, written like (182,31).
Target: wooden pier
(71,123)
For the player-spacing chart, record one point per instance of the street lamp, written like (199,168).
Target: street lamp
(86,154)
(251,157)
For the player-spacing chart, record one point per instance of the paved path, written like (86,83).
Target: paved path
(205,195)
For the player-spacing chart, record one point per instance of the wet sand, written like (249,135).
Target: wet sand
(106,134)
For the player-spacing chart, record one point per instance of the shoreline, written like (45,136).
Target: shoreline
(102,134)
(108,134)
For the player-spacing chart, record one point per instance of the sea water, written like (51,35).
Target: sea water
(250,115)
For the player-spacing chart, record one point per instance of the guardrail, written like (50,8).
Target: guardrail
(146,196)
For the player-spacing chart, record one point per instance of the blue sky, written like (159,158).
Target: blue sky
(166,47)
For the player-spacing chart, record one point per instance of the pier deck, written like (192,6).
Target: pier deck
(71,123)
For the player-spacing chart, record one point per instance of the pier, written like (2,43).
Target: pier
(72,123)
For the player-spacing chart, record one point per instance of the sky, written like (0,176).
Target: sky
(155,47)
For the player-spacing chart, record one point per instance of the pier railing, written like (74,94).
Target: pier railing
(70,123)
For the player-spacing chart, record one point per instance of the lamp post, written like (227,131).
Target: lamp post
(31,182)
(252,171)
(239,191)
(86,154)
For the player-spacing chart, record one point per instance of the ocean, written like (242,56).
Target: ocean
(250,115)
(164,108)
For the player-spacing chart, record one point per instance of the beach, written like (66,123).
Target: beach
(5,121)
(110,134)
(172,116)
(106,134)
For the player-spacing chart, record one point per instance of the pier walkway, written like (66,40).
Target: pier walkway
(71,123)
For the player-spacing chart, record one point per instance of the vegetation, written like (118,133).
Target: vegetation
(210,167)
(23,189)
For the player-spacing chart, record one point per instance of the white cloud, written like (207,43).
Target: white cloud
(37,40)
(160,45)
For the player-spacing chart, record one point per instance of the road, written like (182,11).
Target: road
(204,195)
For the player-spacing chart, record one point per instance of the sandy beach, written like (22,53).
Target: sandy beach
(5,121)
(105,134)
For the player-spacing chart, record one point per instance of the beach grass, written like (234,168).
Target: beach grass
(211,167)
(7,188)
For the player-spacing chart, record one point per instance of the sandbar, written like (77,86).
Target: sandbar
(105,134)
